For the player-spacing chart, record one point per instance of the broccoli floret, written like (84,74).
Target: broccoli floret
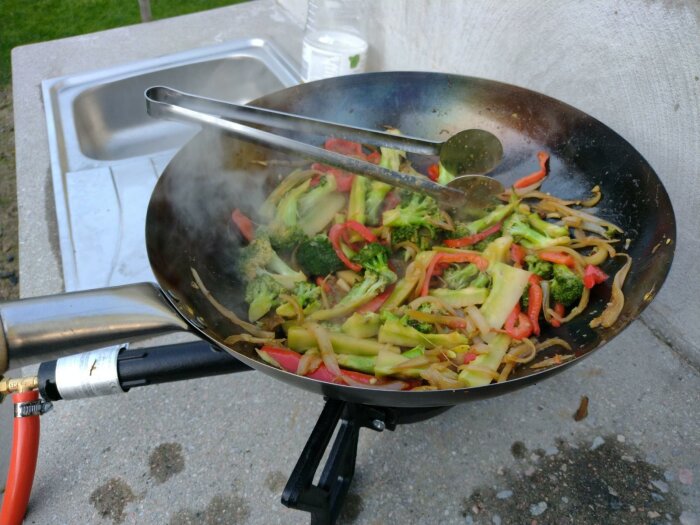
(262,294)
(307,294)
(285,238)
(421,326)
(525,298)
(375,258)
(316,256)
(519,228)
(548,228)
(421,236)
(481,281)
(538,266)
(567,287)
(457,277)
(415,209)
(259,258)
(284,230)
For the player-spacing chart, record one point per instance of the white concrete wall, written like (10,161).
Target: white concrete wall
(633,65)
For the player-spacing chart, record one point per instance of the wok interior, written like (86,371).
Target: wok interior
(189,224)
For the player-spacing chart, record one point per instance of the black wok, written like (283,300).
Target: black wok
(188,222)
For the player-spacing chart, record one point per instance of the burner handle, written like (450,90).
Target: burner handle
(44,328)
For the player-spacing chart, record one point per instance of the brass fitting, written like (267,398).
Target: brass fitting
(23,384)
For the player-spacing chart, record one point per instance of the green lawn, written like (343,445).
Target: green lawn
(27,21)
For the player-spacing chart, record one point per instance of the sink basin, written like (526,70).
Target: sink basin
(111,123)
(107,152)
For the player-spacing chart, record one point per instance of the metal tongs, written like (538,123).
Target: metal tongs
(473,152)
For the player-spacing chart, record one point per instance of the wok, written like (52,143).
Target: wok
(188,221)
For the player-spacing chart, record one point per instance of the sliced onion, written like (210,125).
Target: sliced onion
(522,353)
(602,250)
(505,372)
(379,385)
(228,314)
(347,276)
(580,307)
(326,348)
(433,376)
(545,301)
(481,324)
(592,201)
(548,197)
(550,205)
(417,362)
(617,298)
(553,341)
(247,338)
(295,305)
(433,300)
(309,362)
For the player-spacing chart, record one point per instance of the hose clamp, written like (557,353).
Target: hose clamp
(38,407)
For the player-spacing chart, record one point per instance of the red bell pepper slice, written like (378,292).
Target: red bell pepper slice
(560,311)
(363,230)
(433,172)
(376,303)
(468,358)
(345,147)
(323,284)
(518,325)
(534,303)
(244,224)
(593,275)
(339,232)
(447,258)
(334,235)
(343,178)
(537,176)
(517,253)
(375,157)
(558,258)
(472,239)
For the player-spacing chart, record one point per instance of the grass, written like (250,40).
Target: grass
(28,21)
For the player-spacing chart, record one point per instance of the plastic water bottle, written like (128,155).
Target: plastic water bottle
(334,40)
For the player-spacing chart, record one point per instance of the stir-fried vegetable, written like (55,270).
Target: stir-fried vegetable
(399,294)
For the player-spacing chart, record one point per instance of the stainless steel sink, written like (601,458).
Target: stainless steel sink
(107,153)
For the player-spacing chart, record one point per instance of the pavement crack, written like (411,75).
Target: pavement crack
(681,354)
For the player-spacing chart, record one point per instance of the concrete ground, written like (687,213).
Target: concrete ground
(220,450)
